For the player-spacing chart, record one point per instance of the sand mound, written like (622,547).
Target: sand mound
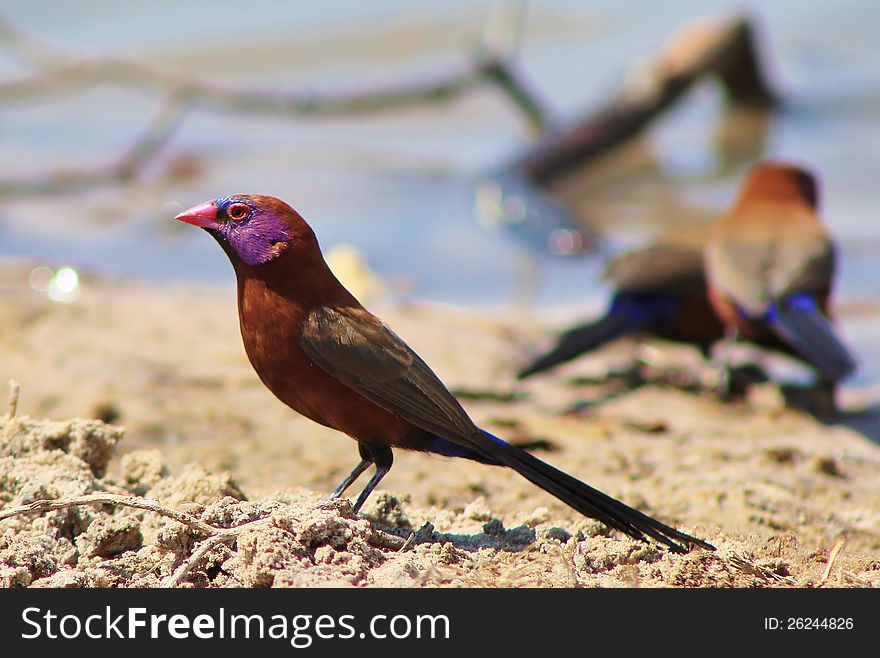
(103,545)
(220,539)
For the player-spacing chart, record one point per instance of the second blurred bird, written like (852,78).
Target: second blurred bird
(770,264)
(660,290)
(764,276)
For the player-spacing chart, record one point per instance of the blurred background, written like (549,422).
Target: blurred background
(398,185)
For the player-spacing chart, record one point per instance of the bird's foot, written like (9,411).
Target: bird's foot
(819,400)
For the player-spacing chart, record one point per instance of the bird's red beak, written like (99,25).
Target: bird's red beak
(204,215)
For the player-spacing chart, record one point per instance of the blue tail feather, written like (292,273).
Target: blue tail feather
(799,321)
(627,313)
(642,308)
(446,448)
(584,498)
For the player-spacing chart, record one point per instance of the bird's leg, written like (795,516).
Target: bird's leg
(721,364)
(346,483)
(383,458)
(822,400)
(366,460)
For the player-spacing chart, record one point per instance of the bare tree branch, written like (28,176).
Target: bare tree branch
(28,48)
(65,73)
(515,194)
(121,168)
(725,50)
(60,72)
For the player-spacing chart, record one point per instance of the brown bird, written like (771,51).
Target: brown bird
(660,290)
(324,355)
(770,264)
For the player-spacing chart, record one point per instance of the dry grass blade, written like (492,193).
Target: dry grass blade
(832,557)
(14,390)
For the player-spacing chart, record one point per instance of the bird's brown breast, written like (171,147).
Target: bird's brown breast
(271,330)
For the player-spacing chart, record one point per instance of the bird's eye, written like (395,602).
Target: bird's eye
(238,211)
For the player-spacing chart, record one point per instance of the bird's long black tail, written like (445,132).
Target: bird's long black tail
(799,322)
(583,338)
(591,502)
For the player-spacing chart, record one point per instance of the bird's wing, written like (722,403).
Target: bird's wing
(739,271)
(802,265)
(358,349)
(770,262)
(660,266)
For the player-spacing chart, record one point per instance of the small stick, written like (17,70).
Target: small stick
(831,558)
(198,554)
(106,498)
(14,389)
(407,543)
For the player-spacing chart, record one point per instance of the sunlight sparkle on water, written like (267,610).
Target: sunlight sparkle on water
(61,286)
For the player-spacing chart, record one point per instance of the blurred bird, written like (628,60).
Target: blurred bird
(324,355)
(770,265)
(351,268)
(659,290)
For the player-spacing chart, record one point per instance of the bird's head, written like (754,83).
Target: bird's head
(781,181)
(253,228)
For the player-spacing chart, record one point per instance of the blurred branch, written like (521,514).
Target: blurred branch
(515,195)
(504,28)
(123,167)
(722,50)
(500,73)
(60,72)
(65,73)
(27,47)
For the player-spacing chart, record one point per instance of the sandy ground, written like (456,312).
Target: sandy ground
(787,500)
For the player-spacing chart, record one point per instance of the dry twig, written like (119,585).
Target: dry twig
(204,547)
(106,498)
(215,535)
(14,390)
(832,557)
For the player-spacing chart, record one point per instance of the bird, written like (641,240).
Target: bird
(770,265)
(659,289)
(319,351)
